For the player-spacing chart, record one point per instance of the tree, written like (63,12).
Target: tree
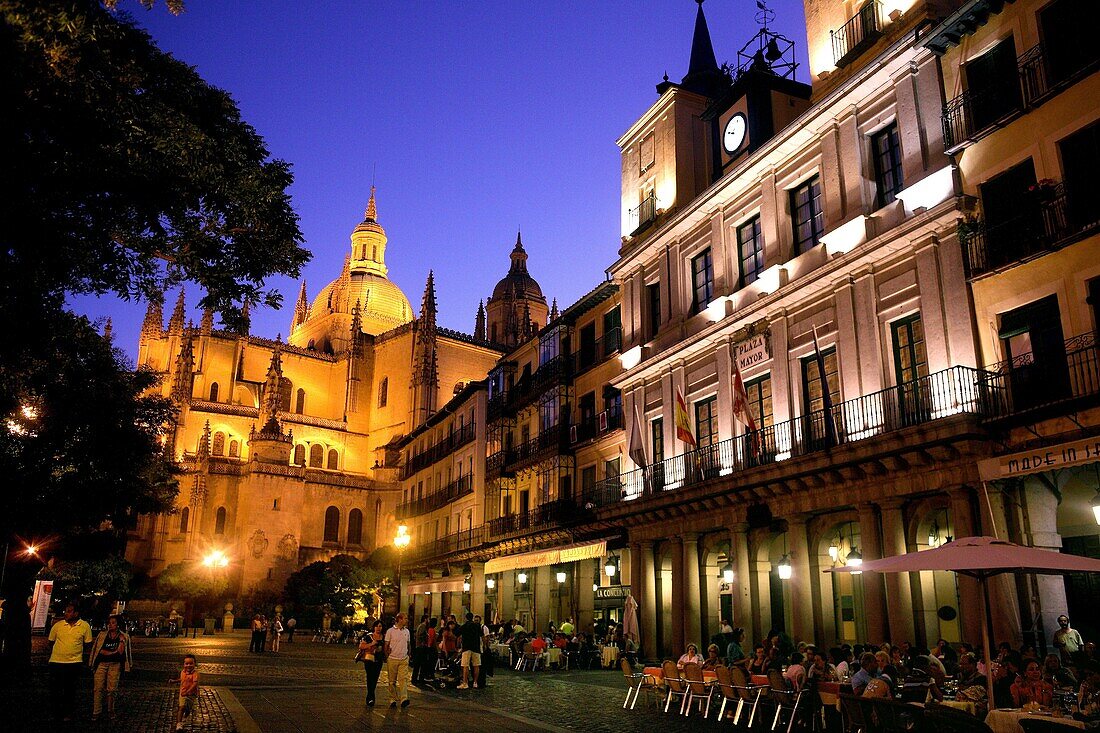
(341,585)
(121,171)
(93,585)
(194,583)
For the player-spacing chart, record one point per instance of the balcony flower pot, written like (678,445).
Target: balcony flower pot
(1044,190)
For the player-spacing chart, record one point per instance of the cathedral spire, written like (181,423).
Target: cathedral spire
(184,371)
(175,323)
(206,325)
(269,406)
(204,441)
(246,319)
(425,378)
(428,309)
(518,256)
(703,75)
(479,321)
(554,315)
(108,330)
(301,308)
(153,325)
(372,208)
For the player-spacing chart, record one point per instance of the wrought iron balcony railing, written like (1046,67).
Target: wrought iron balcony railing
(644,215)
(550,515)
(599,424)
(1043,379)
(858,34)
(439,451)
(547,443)
(455,542)
(462,486)
(595,352)
(950,392)
(1049,217)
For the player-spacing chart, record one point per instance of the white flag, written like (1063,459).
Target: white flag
(636,448)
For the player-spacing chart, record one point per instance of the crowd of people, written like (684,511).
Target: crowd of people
(267,634)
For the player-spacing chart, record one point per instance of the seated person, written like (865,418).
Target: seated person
(920,682)
(1088,697)
(1056,674)
(560,641)
(759,662)
(1030,688)
(712,660)
(821,669)
(691,655)
(868,670)
(538,644)
(796,673)
(1005,675)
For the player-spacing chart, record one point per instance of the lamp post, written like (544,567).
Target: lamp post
(401,541)
(214,560)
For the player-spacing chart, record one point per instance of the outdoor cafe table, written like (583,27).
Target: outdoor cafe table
(1008,721)
(552,655)
(609,655)
(657,673)
(501,650)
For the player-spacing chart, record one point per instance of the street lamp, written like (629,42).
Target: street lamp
(727,573)
(466,584)
(561,577)
(401,541)
(214,560)
(521,577)
(612,566)
(785,567)
(490,583)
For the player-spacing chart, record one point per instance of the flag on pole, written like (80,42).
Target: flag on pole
(826,395)
(683,423)
(636,447)
(741,407)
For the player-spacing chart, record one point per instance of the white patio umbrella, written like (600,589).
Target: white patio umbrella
(630,619)
(981,558)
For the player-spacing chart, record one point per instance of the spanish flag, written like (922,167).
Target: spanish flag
(683,423)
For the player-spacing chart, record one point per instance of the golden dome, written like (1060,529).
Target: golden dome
(382,305)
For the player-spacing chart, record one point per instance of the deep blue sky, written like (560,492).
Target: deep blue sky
(478,117)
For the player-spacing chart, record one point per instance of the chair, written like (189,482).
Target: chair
(675,685)
(949,720)
(853,713)
(748,693)
(637,682)
(786,700)
(1038,725)
(724,686)
(698,690)
(889,716)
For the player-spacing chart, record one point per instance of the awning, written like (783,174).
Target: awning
(553,556)
(436,585)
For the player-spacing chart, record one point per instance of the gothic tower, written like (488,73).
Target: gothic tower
(517,308)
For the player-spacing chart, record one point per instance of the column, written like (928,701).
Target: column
(477,590)
(899,592)
(802,614)
(1041,508)
(723,363)
(541,605)
(742,598)
(648,599)
(679,608)
(692,599)
(584,576)
(962,525)
(874,600)
(506,590)
(434,602)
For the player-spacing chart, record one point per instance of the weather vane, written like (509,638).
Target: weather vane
(764,14)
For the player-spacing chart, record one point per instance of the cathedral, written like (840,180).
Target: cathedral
(287,448)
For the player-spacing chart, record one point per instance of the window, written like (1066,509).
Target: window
(646,155)
(612,468)
(1080,154)
(219,444)
(333,459)
(588,478)
(760,400)
(657,434)
(185,514)
(886,152)
(653,300)
(706,422)
(285,388)
(811,380)
(383,390)
(355,527)
(612,331)
(300,402)
(234,449)
(1066,31)
(219,521)
(806,216)
(299,455)
(588,346)
(750,244)
(993,85)
(702,281)
(910,358)
(332,525)
(1035,348)
(214,392)
(275,505)
(316,456)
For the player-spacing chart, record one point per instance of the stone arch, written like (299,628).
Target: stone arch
(935,594)
(300,402)
(333,463)
(767,548)
(234,449)
(840,595)
(214,392)
(355,527)
(662,569)
(717,601)
(332,525)
(218,448)
(300,454)
(219,520)
(185,515)
(316,455)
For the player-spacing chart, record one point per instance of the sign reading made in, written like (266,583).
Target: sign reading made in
(1041,459)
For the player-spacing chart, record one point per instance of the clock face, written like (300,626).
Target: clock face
(734,135)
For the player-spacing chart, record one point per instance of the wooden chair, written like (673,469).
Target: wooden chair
(675,686)
(637,682)
(852,713)
(698,690)
(949,720)
(747,693)
(787,700)
(724,687)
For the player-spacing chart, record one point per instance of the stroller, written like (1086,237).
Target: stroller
(448,670)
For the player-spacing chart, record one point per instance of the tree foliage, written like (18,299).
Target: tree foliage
(341,585)
(190,581)
(81,581)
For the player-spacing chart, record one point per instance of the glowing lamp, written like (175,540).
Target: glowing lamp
(727,573)
(466,585)
(834,553)
(402,540)
(854,559)
(785,567)
(561,576)
(490,583)
(1096,507)
(631,357)
(612,566)
(595,587)
(521,577)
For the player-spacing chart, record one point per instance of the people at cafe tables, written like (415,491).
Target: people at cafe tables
(691,655)
(759,662)
(1056,674)
(796,673)
(1031,688)
(712,660)
(868,670)
(968,674)
(735,653)
(1004,677)
(538,644)
(560,641)
(920,682)
(821,669)
(1088,697)
(897,658)
(842,660)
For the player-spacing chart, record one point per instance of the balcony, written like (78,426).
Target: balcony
(858,34)
(598,425)
(551,515)
(644,215)
(598,351)
(456,542)
(441,450)
(1039,76)
(1041,382)
(1051,217)
(463,486)
(544,445)
(958,390)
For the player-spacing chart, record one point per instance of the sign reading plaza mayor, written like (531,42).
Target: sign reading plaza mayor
(1042,459)
(752,351)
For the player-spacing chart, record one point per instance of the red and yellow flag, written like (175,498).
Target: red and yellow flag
(683,423)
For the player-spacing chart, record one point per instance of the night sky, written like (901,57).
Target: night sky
(474,119)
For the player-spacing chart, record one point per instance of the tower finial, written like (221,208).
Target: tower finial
(372,207)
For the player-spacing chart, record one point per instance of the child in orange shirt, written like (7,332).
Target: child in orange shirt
(189,689)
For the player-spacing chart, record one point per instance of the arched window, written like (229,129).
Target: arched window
(185,514)
(355,527)
(285,388)
(333,460)
(219,521)
(299,455)
(300,402)
(316,456)
(383,391)
(332,524)
(214,392)
(234,449)
(219,444)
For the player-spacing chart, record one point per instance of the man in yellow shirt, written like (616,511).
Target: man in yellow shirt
(69,639)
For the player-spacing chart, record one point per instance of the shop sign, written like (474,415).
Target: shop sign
(612,592)
(1041,459)
(752,352)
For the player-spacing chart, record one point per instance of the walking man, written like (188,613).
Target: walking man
(397,661)
(470,633)
(69,640)
(290,629)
